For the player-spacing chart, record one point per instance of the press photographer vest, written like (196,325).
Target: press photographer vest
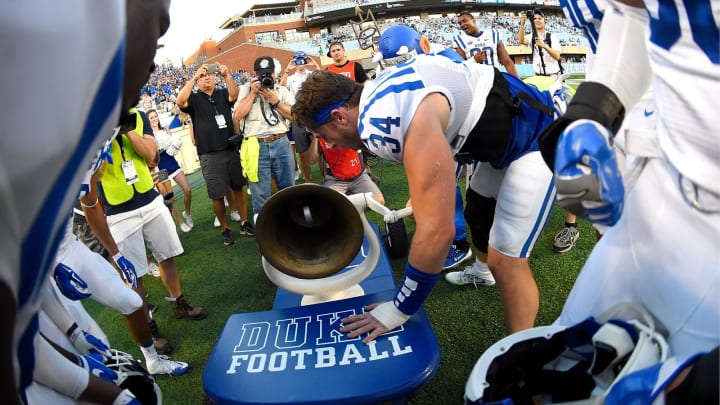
(115,188)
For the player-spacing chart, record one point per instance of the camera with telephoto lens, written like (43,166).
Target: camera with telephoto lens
(267,81)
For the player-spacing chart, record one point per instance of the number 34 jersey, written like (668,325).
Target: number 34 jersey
(388,104)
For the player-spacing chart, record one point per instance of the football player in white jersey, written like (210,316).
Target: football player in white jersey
(422,112)
(88,57)
(662,252)
(481,46)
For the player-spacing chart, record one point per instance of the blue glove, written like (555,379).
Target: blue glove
(102,155)
(86,343)
(588,181)
(94,365)
(70,283)
(127,269)
(645,385)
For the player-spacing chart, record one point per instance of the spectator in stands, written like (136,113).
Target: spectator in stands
(209,109)
(342,65)
(300,139)
(263,115)
(545,46)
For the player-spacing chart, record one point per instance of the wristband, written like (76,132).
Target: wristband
(276,104)
(415,287)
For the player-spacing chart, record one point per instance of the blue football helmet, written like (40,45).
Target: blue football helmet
(300,58)
(398,44)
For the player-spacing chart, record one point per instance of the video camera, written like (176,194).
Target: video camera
(267,81)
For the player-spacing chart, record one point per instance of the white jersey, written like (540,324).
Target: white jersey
(388,103)
(75,58)
(485,41)
(295,80)
(686,67)
(586,14)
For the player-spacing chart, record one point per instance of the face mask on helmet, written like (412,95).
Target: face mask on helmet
(134,377)
(560,364)
(398,44)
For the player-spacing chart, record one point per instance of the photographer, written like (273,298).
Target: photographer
(263,115)
(209,109)
(545,46)
(301,141)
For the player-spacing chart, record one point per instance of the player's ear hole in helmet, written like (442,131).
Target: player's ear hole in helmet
(400,43)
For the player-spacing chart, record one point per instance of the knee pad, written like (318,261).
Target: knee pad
(479,213)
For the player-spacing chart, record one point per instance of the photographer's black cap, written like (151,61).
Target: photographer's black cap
(538,11)
(264,65)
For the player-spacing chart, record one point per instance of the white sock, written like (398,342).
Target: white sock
(480,266)
(149,352)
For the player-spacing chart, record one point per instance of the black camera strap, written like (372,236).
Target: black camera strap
(273,119)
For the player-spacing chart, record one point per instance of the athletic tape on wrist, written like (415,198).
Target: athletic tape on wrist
(414,288)
(388,315)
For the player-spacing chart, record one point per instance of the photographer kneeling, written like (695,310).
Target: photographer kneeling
(263,114)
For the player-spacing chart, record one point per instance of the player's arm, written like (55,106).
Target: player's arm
(461,53)
(430,171)
(431,176)
(578,145)
(506,60)
(58,370)
(95,217)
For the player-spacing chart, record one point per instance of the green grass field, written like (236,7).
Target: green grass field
(225,280)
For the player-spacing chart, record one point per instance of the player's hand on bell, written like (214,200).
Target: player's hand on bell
(588,181)
(365,323)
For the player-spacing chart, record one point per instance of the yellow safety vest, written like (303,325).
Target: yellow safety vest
(115,188)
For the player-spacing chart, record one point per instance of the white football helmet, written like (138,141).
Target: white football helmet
(560,364)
